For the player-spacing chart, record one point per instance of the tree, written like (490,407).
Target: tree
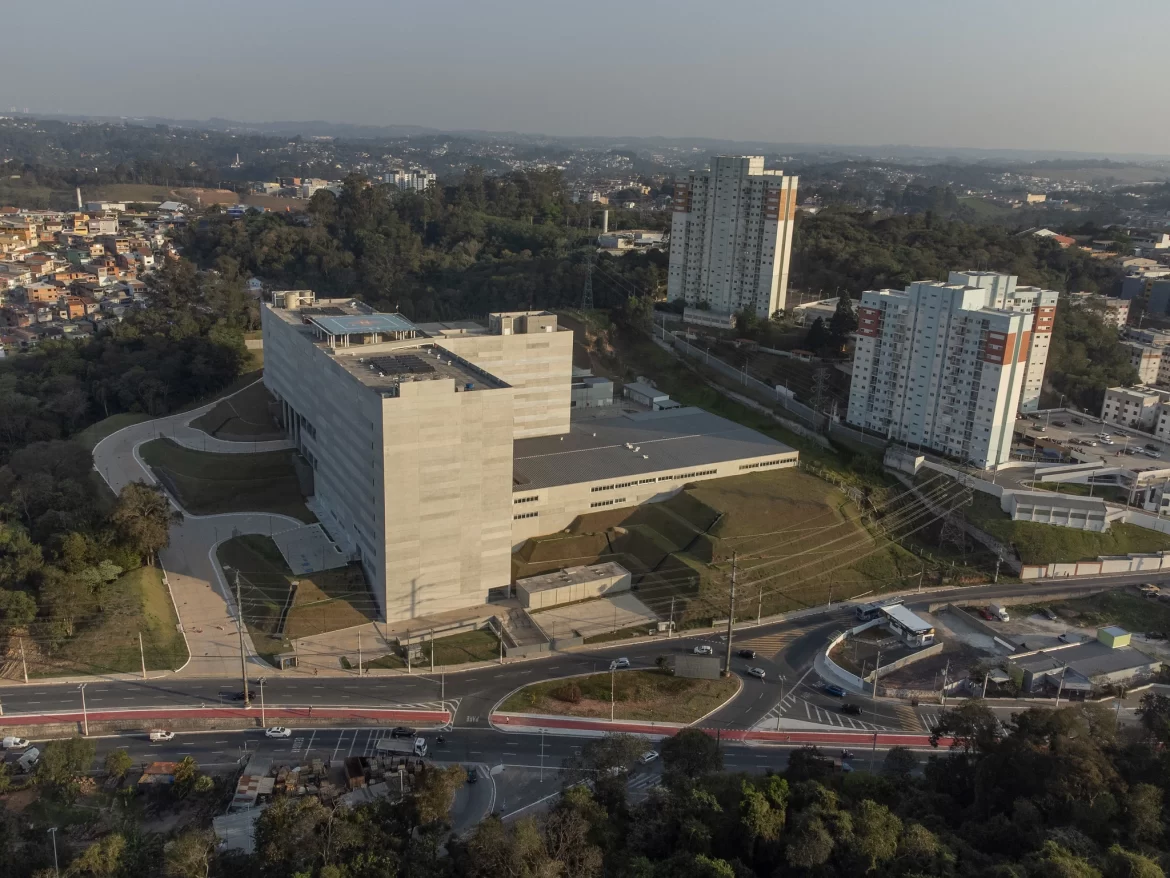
(1143,812)
(843,323)
(1126,864)
(144,517)
(810,845)
(118,762)
(63,761)
(899,764)
(971,725)
(818,337)
(190,855)
(103,859)
(1154,713)
(435,793)
(98,578)
(186,773)
(875,834)
(568,829)
(691,753)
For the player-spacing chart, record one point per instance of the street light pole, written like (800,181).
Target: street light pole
(53,835)
(263,721)
(612,672)
(84,715)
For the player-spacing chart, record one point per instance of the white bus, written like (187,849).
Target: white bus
(866,612)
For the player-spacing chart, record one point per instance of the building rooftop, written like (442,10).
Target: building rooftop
(571,576)
(1088,659)
(635,444)
(645,390)
(908,620)
(359,324)
(384,368)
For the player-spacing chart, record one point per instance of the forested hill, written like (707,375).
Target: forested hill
(503,242)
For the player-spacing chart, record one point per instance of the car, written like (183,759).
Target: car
(986,614)
(1120,432)
(1102,435)
(1092,443)
(851,709)
(1059,424)
(648,757)
(239,696)
(704,649)
(619,663)
(402,732)
(472,776)
(1150,446)
(11,742)
(1106,441)
(1049,614)
(757,672)
(747,653)
(1080,422)
(158,735)
(1155,635)
(278,732)
(1153,454)
(834,689)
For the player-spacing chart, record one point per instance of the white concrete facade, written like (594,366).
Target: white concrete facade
(731,237)
(936,367)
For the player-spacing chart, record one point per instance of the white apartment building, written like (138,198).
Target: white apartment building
(438,448)
(731,237)
(1041,304)
(411,181)
(939,367)
(1142,408)
(1147,359)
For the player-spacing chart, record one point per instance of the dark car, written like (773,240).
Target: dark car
(402,732)
(851,709)
(1059,424)
(833,689)
(1049,614)
(1151,447)
(472,776)
(747,653)
(239,696)
(1079,421)
(1155,635)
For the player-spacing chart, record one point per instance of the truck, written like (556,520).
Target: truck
(29,760)
(11,742)
(999,612)
(402,747)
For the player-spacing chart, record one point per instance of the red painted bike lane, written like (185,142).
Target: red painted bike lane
(234,713)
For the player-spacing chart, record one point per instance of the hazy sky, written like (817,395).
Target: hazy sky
(1076,75)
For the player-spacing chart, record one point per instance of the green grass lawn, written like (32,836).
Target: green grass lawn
(1113,493)
(456,649)
(1048,544)
(108,641)
(637,695)
(1119,606)
(246,416)
(207,483)
(329,600)
(95,433)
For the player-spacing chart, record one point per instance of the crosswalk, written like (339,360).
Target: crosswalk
(770,645)
(793,707)
(929,717)
(640,785)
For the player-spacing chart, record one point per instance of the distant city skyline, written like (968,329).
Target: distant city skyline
(993,75)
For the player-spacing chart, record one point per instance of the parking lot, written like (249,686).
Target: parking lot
(1082,439)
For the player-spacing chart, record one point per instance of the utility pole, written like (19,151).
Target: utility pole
(23,663)
(873,753)
(731,614)
(432,650)
(780,705)
(670,633)
(587,294)
(359,652)
(240,631)
(142,655)
(263,721)
(998,561)
(612,673)
(921,573)
(946,673)
(1060,687)
(84,714)
(986,677)
(877,669)
(760,605)
(53,835)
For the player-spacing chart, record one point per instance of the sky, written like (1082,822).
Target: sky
(940,73)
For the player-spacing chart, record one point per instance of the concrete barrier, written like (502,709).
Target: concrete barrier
(852,679)
(916,656)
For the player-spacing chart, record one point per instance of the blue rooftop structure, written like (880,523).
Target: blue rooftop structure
(360,324)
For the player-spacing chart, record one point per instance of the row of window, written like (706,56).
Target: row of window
(525,515)
(607,502)
(761,463)
(618,485)
(531,499)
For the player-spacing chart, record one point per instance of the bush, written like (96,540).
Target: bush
(570,693)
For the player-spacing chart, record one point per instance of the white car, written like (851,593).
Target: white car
(11,742)
(704,649)
(648,757)
(757,672)
(619,664)
(158,735)
(278,732)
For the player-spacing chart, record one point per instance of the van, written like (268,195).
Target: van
(28,760)
(161,735)
(999,612)
(14,743)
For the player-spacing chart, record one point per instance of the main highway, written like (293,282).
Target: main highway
(785,650)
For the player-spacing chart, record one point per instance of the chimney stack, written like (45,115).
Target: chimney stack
(80,206)
(604,222)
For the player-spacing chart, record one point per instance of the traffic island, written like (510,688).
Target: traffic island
(654,696)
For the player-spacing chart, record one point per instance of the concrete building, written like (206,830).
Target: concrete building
(913,630)
(572,584)
(807,314)
(589,391)
(437,448)
(1147,359)
(1137,407)
(731,237)
(1078,668)
(411,181)
(709,319)
(939,366)
(1061,510)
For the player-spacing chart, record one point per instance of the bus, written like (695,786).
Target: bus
(866,612)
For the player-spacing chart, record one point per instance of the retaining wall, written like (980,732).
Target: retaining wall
(1108,564)
(852,679)
(916,656)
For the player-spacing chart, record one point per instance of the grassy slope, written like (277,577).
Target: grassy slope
(638,695)
(208,483)
(1122,607)
(244,417)
(1047,544)
(456,649)
(138,602)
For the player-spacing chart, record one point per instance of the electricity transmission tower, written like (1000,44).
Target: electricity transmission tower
(587,296)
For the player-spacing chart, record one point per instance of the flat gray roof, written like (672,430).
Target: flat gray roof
(645,390)
(571,575)
(595,449)
(1089,658)
(908,620)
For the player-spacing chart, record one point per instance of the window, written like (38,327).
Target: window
(607,502)
(525,515)
(531,499)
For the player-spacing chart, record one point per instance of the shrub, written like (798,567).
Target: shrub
(570,693)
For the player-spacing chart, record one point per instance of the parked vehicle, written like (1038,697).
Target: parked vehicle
(619,664)
(998,612)
(1049,614)
(11,742)
(28,760)
(648,757)
(159,735)
(1059,424)
(278,732)
(405,747)
(704,649)
(1150,446)
(1080,422)
(851,709)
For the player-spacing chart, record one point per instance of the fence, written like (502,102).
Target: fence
(916,656)
(1104,565)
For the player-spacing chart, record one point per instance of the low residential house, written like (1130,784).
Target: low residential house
(1075,669)
(142,260)
(76,307)
(15,316)
(114,244)
(42,292)
(40,263)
